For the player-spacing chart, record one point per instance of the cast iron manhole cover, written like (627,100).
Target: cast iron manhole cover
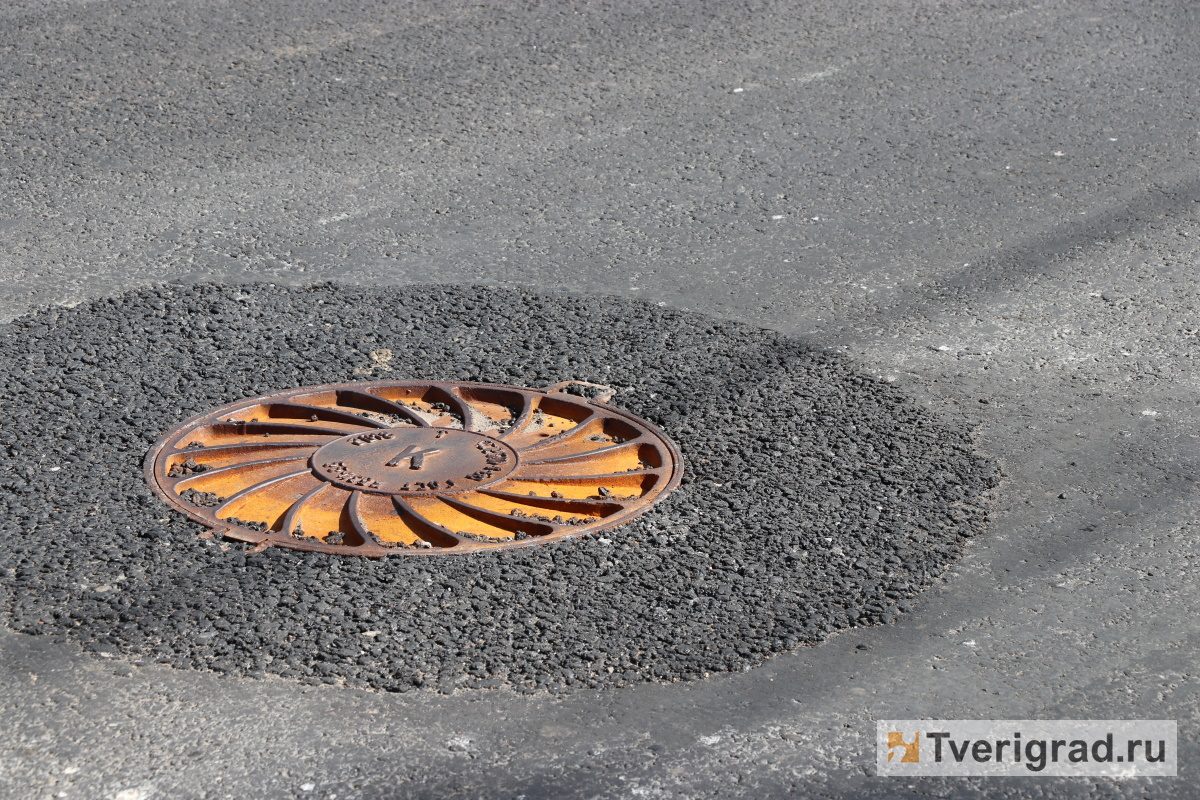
(410,467)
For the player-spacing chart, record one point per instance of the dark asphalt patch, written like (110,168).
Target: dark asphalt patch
(815,499)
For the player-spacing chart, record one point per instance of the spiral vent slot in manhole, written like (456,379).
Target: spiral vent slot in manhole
(408,467)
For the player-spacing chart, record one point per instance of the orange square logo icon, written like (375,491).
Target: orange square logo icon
(909,752)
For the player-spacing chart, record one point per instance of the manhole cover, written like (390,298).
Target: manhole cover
(409,467)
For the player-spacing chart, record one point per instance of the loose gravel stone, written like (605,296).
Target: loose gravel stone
(815,498)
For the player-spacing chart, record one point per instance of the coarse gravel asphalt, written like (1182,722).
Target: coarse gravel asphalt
(994,206)
(815,499)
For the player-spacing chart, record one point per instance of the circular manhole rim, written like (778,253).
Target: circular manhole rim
(674,469)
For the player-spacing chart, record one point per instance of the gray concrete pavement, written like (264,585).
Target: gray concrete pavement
(991,202)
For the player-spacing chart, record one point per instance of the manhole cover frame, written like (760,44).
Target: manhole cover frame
(671,471)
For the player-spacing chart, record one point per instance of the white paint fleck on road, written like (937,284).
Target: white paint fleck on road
(459,743)
(816,76)
(136,793)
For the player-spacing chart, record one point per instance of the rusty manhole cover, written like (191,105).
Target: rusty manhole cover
(409,467)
